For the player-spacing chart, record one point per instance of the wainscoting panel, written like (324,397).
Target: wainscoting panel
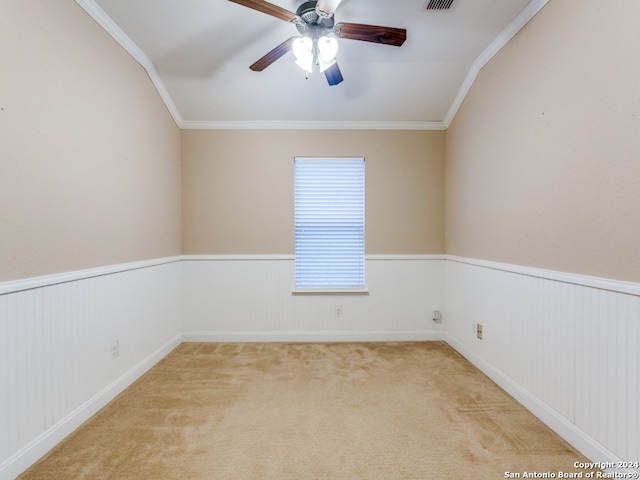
(56,338)
(567,347)
(608,369)
(250,298)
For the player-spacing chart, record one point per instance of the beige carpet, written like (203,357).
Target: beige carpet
(370,411)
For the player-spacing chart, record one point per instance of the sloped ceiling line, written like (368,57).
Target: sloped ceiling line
(501,40)
(123,39)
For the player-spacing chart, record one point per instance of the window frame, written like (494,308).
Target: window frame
(336,288)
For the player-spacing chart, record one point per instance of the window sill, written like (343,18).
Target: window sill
(330,291)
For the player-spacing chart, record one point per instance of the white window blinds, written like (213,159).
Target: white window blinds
(329,223)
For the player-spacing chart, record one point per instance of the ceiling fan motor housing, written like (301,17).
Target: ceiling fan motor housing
(310,17)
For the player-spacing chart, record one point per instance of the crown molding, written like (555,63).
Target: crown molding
(311,125)
(494,47)
(123,39)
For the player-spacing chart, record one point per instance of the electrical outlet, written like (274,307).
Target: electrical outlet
(436,314)
(115,349)
(479,331)
(338,311)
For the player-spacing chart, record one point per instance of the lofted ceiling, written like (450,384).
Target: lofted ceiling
(198,52)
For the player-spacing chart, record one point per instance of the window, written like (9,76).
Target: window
(329,223)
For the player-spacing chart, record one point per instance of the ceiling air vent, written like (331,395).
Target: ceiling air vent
(438,4)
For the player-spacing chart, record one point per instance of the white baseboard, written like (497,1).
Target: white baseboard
(42,444)
(563,427)
(339,336)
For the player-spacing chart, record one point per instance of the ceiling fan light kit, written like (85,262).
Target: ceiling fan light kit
(310,51)
(303,50)
(327,49)
(318,43)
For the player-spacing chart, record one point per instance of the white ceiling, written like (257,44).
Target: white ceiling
(198,53)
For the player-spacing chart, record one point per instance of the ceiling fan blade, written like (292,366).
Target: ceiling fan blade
(268,8)
(333,74)
(273,55)
(326,8)
(371,33)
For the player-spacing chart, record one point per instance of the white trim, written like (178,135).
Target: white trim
(42,444)
(575,279)
(417,256)
(572,278)
(286,256)
(237,257)
(311,125)
(125,42)
(14,286)
(318,336)
(563,427)
(494,47)
(330,291)
(47,280)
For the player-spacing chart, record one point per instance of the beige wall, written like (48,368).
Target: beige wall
(543,158)
(89,155)
(238,188)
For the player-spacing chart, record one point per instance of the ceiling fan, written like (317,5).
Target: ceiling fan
(316,47)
